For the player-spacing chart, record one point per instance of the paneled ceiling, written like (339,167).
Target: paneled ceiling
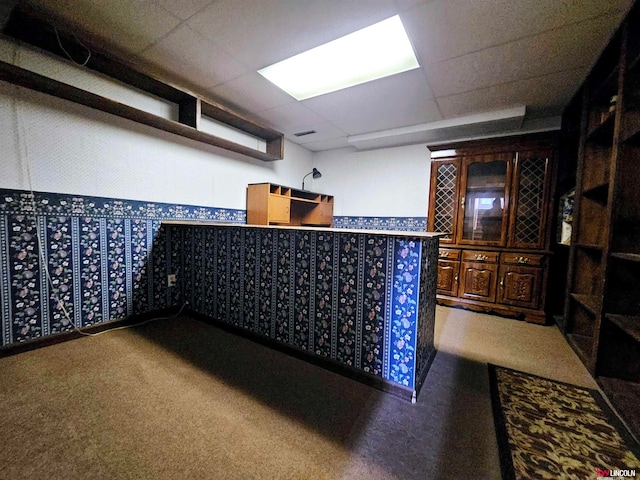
(485,65)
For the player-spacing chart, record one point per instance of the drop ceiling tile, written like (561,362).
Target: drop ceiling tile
(263,32)
(126,24)
(252,92)
(184,8)
(546,94)
(327,144)
(555,50)
(292,115)
(191,55)
(294,118)
(324,131)
(403,5)
(446,29)
(399,100)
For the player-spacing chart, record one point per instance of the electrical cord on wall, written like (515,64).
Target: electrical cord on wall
(84,64)
(25,157)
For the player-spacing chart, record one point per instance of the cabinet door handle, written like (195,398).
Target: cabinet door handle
(502,282)
(522,259)
(462,202)
(482,258)
(455,279)
(444,254)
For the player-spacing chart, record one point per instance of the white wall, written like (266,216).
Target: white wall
(389,182)
(52,145)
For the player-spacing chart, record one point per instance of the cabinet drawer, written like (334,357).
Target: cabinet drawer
(478,256)
(523,259)
(449,254)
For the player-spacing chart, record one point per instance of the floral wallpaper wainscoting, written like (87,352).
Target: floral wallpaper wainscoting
(106,259)
(365,300)
(402,224)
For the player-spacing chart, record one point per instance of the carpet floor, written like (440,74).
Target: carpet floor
(178,399)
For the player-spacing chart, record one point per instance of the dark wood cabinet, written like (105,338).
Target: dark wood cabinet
(492,200)
(448,276)
(520,286)
(479,281)
(602,303)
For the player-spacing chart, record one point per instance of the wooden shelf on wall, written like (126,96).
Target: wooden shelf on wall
(26,25)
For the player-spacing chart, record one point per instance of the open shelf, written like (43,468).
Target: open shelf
(582,345)
(598,193)
(631,133)
(591,247)
(624,396)
(627,323)
(602,134)
(588,302)
(630,257)
(607,88)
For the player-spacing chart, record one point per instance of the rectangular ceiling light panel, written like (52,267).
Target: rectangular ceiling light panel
(374,52)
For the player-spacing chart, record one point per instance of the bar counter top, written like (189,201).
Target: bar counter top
(394,233)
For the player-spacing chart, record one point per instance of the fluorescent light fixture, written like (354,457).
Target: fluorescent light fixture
(377,51)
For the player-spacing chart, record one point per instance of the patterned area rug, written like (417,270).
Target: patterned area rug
(553,430)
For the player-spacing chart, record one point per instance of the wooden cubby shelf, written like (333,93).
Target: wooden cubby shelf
(271,204)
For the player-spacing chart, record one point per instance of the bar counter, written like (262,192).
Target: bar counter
(359,300)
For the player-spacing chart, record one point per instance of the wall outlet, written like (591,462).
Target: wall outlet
(171,280)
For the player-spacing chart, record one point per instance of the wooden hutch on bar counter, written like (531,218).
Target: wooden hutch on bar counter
(271,204)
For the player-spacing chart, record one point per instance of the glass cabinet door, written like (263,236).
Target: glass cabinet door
(485,201)
(530,191)
(444,199)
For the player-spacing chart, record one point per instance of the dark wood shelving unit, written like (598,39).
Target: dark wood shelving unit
(602,304)
(27,25)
